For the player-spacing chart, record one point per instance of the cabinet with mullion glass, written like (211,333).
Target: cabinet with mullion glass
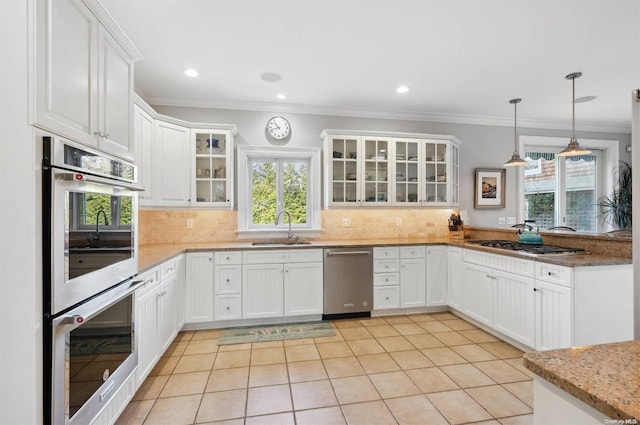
(376,170)
(212,173)
(344,170)
(407,171)
(435,168)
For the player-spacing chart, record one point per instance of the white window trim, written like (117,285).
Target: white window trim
(246,230)
(610,149)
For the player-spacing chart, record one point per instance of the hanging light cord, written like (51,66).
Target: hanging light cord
(573,108)
(515,131)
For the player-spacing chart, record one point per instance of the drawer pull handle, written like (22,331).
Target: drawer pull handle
(550,273)
(535,289)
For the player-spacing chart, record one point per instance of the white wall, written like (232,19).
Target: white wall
(20,275)
(483,146)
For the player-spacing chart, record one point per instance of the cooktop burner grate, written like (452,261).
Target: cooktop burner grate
(529,249)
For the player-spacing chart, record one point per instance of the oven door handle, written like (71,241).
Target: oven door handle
(81,177)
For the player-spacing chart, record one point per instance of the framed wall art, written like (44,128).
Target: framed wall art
(490,188)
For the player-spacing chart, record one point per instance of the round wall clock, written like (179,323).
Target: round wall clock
(278,128)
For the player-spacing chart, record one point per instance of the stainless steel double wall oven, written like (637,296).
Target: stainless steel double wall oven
(89,202)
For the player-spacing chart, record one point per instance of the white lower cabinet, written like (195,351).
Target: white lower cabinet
(554,316)
(146,324)
(386,278)
(228,307)
(228,285)
(386,297)
(167,312)
(303,289)
(454,278)
(514,308)
(478,293)
(199,294)
(437,276)
(262,290)
(412,276)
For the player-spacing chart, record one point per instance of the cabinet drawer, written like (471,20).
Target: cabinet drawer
(386,266)
(228,307)
(275,256)
(385,253)
(412,252)
(386,297)
(168,268)
(149,279)
(554,274)
(381,279)
(228,279)
(228,257)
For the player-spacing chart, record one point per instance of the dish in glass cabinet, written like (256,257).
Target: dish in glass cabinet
(435,158)
(378,157)
(400,156)
(413,179)
(413,157)
(351,176)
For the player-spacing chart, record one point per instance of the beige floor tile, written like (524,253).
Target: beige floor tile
(350,334)
(395,343)
(347,323)
(519,364)
(229,359)
(228,422)
(502,350)
(415,410)
(334,349)
(431,380)
(451,338)
(408,328)
(473,353)
(523,390)
(185,384)
(378,363)
(235,347)
(396,320)
(343,367)
(365,346)
(478,336)
(195,363)
(423,317)
(459,324)
(413,359)
(234,403)
(201,346)
(435,326)
(299,341)
(491,422)
(373,321)
(164,366)
(151,388)
(267,400)
(174,410)
(354,389)
(277,419)
(324,416)
(394,384)
(298,353)
(228,379)
(267,356)
(314,394)
(372,413)
(267,344)
(501,371)
(498,401)
(336,338)
(135,413)
(458,407)
(443,356)
(176,348)
(467,376)
(517,420)
(311,370)
(207,334)
(445,316)
(184,336)
(424,341)
(272,374)
(380,331)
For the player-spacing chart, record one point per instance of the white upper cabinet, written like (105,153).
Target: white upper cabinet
(171,164)
(83,76)
(212,170)
(144,136)
(390,169)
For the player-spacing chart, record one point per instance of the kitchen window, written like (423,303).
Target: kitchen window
(271,182)
(563,191)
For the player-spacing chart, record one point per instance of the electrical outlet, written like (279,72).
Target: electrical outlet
(346,222)
(511,220)
(501,221)
(398,221)
(189,223)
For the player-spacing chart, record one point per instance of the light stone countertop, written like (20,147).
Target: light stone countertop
(605,377)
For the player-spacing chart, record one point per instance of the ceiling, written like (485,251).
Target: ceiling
(462,59)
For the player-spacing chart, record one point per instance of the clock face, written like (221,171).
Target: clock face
(278,128)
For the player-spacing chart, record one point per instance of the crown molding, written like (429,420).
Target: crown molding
(391,115)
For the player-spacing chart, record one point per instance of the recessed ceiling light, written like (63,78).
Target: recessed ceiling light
(190,72)
(585,99)
(402,89)
(281,96)
(271,77)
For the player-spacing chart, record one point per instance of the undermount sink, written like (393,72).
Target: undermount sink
(284,242)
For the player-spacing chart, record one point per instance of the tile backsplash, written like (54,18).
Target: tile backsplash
(189,226)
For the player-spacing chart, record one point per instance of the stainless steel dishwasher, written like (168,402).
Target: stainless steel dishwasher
(348,282)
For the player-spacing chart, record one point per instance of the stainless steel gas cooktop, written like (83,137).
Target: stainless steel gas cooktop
(529,249)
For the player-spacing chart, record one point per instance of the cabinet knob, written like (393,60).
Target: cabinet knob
(550,273)
(228,308)
(535,289)
(387,279)
(227,280)
(386,298)
(210,258)
(227,257)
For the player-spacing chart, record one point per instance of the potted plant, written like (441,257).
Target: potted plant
(616,208)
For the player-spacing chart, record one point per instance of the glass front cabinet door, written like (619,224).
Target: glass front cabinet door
(212,172)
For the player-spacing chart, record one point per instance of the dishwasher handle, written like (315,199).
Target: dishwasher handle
(330,253)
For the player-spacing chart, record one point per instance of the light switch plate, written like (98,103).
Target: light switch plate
(346,222)
(398,221)
(502,221)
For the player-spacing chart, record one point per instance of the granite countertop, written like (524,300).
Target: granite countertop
(606,377)
(154,254)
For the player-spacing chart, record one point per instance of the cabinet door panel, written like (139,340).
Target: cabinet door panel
(303,289)
(437,265)
(412,283)
(386,297)
(454,279)
(554,316)
(147,344)
(262,291)
(167,312)
(143,138)
(478,293)
(514,307)
(172,164)
(228,279)
(199,287)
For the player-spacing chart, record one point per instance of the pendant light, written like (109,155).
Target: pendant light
(573,149)
(515,158)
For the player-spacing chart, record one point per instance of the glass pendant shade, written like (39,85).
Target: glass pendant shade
(573,148)
(515,158)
